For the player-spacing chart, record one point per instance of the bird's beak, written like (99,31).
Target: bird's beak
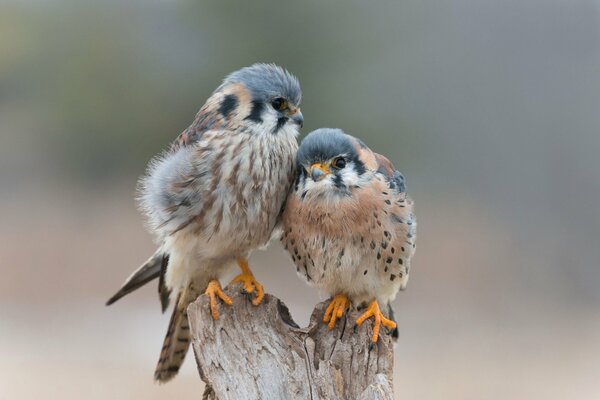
(297,117)
(318,171)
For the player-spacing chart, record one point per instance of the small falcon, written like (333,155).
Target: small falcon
(216,195)
(349,226)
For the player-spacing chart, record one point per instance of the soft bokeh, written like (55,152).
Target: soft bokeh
(491,108)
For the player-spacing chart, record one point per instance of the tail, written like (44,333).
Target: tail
(391,316)
(178,338)
(154,267)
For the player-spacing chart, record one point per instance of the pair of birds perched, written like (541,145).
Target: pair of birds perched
(236,176)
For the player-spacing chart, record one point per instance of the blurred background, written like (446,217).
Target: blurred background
(491,109)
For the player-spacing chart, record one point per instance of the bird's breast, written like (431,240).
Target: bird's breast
(250,186)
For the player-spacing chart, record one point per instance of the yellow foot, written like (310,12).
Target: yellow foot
(336,309)
(213,290)
(375,312)
(250,283)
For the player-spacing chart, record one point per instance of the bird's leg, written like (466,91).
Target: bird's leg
(250,283)
(336,309)
(213,290)
(374,311)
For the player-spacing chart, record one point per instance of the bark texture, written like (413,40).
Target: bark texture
(261,353)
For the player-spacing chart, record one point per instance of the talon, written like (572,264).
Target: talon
(213,290)
(336,309)
(374,311)
(249,283)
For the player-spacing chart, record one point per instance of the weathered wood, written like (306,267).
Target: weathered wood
(260,353)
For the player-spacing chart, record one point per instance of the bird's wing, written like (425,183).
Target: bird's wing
(400,211)
(180,186)
(164,191)
(207,119)
(148,271)
(164,292)
(278,228)
(394,178)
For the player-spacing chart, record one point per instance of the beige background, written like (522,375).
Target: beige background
(490,109)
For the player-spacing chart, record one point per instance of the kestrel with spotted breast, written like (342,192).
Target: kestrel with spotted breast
(216,195)
(349,226)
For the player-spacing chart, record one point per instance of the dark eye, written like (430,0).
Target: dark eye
(279,104)
(339,163)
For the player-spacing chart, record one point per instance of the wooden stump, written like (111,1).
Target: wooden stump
(260,353)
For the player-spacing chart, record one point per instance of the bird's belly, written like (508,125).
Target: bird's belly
(343,265)
(191,259)
(243,229)
(233,226)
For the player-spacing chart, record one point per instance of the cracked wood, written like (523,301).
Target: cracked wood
(260,353)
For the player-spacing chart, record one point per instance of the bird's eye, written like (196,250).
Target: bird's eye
(339,162)
(279,104)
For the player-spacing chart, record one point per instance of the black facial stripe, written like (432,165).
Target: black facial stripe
(338,182)
(300,177)
(229,103)
(256,112)
(280,123)
(301,171)
(359,167)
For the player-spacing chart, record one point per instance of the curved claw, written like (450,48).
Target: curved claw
(251,285)
(213,290)
(336,309)
(249,282)
(374,311)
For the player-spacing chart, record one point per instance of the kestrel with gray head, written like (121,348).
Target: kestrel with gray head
(216,195)
(349,226)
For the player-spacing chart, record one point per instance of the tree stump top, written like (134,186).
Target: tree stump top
(259,352)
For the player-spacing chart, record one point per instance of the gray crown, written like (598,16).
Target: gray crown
(323,144)
(267,81)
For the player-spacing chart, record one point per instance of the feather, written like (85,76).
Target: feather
(163,291)
(145,273)
(178,338)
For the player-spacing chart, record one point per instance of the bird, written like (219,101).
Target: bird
(216,194)
(349,227)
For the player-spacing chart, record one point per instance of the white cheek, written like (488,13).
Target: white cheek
(327,187)
(269,122)
(269,118)
(290,129)
(349,176)
(316,189)
(320,185)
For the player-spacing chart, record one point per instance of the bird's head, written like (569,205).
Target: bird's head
(265,96)
(329,163)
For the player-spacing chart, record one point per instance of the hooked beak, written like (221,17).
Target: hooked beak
(318,171)
(297,117)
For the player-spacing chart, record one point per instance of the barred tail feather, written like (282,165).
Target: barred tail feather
(178,338)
